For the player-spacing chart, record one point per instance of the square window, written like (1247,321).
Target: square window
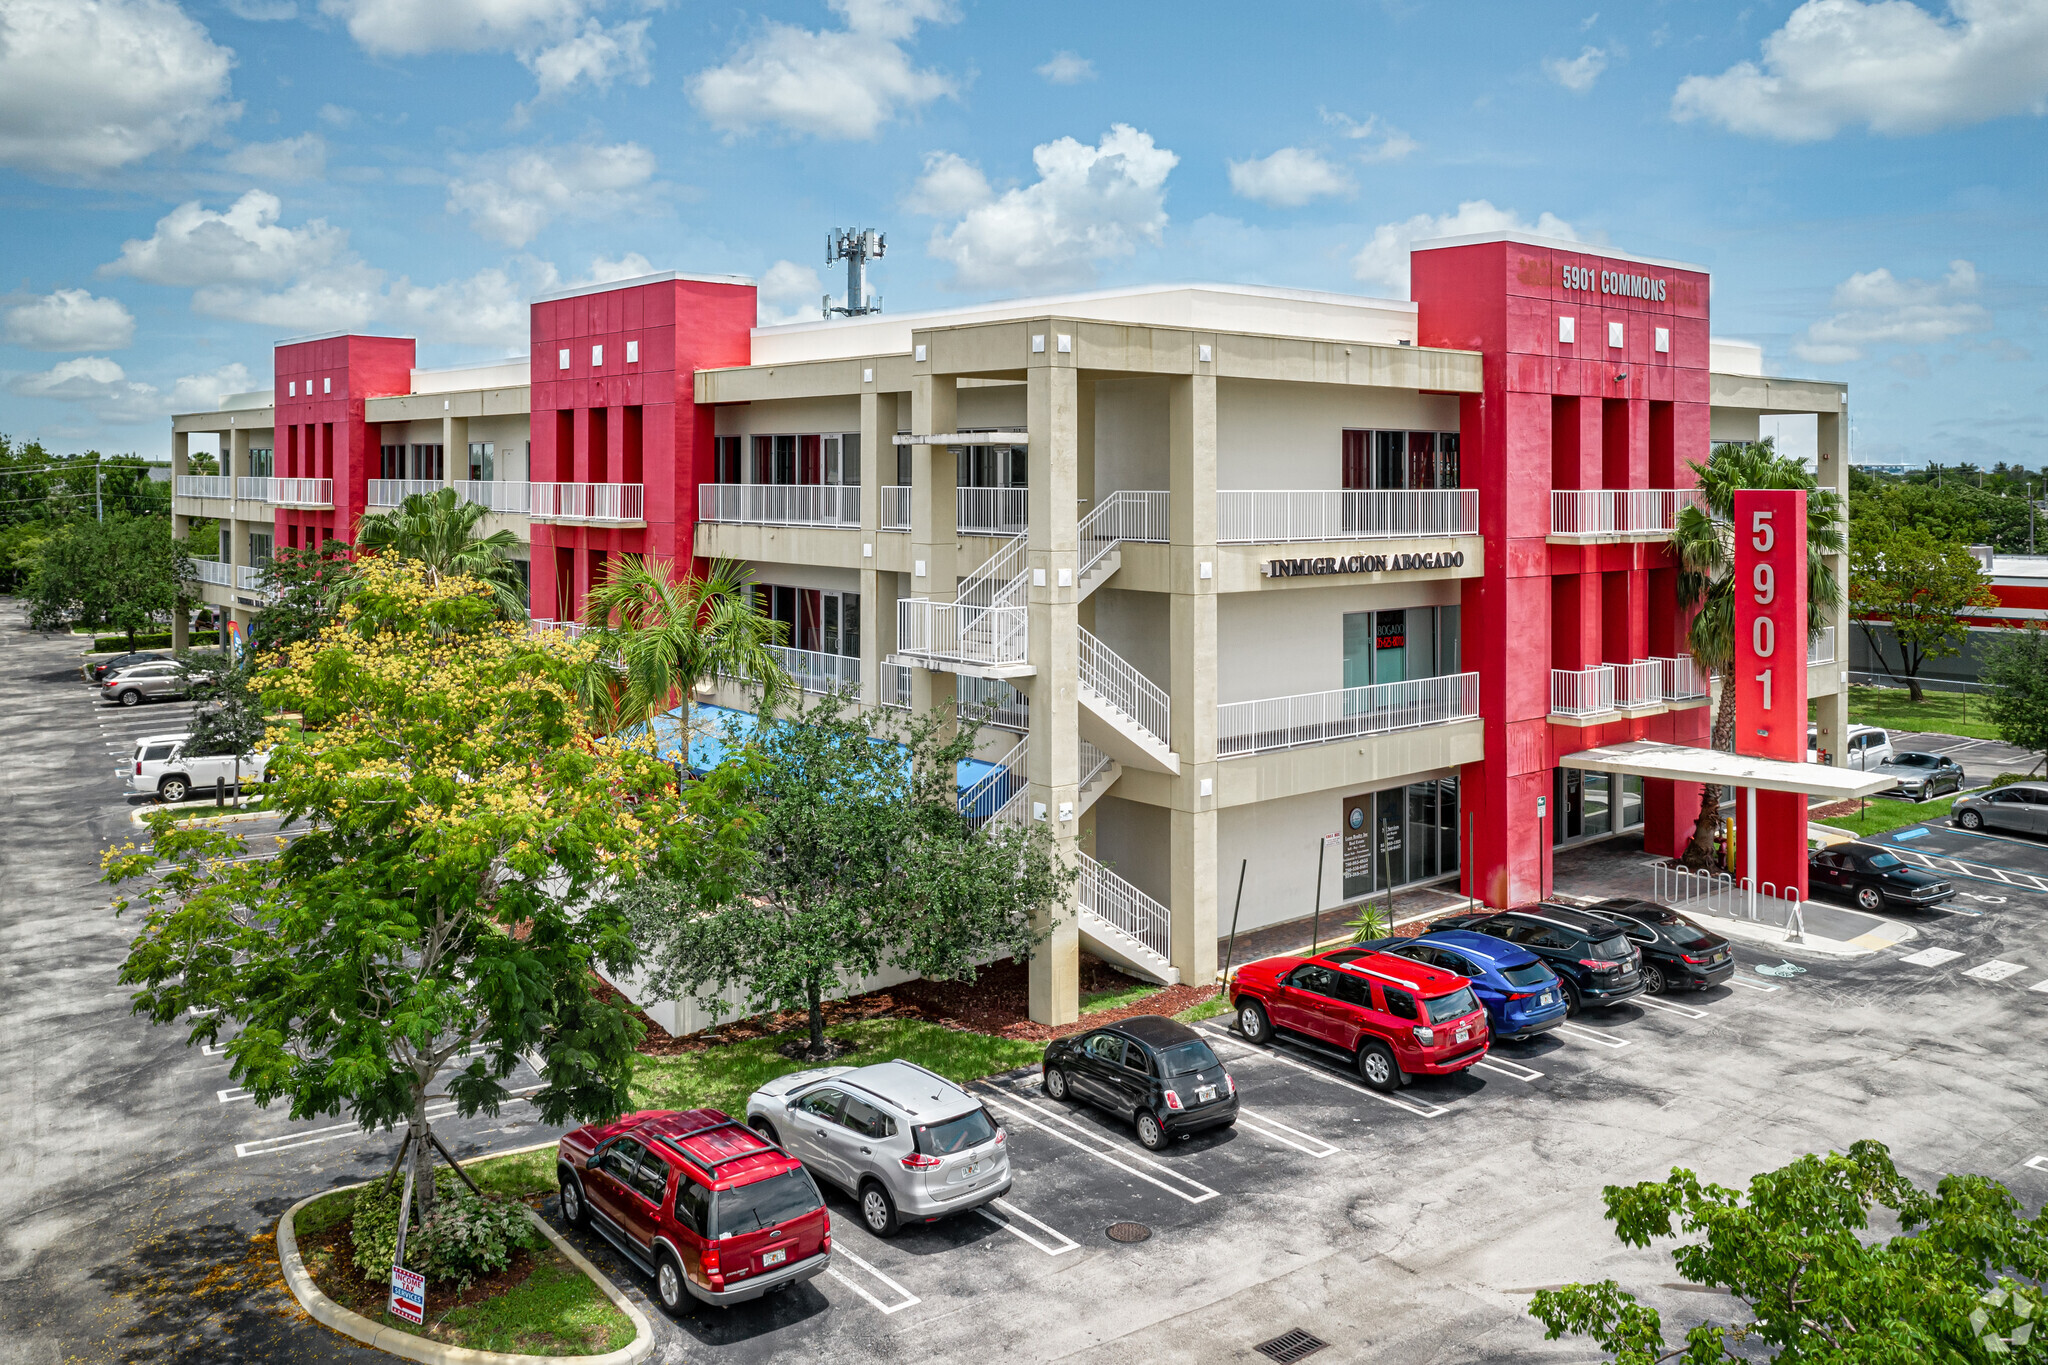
(632,352)
(562,360)
(1567,331)
(1066,344)
(327,386)
(920,353)
(291,389)
(1614,334)
(597,355)
(1038,343)
(867,376)
(1664,340)
(1207,355)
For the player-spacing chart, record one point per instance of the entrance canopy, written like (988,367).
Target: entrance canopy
(1683,763)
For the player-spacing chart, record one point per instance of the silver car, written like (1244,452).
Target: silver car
(2021,807)
(1923,775)
(162,680)
(906,1143)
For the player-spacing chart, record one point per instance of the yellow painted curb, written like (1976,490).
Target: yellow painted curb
(405,1344)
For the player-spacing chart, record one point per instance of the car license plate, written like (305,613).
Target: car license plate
(1204,1093)
(1720,957)
(1464,1035)
(1547,999)
(775,1257)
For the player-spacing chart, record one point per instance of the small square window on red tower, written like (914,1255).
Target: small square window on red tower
(1615,335)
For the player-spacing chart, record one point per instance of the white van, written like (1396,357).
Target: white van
(162,769)
(1868,747)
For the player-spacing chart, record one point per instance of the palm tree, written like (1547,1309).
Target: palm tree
(660,632)
(438,531)
(1703,542)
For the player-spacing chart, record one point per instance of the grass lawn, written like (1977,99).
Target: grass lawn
(1945,713)
(1216,1004)
(1877,816)
(202,810)
(722,1075)
(1118,998)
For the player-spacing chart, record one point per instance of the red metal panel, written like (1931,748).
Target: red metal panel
(1770,668)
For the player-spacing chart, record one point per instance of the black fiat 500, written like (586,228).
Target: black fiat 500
(1677,954)
(1154,1071)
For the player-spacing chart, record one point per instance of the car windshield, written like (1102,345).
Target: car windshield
(1885,860)
(763,1204)
(1685,934)
(1616,947)
(1183,1058)
(1444,1008)
(970,1129)
(1914,761)
(1529,974)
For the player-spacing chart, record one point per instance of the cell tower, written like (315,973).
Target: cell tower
(856,249)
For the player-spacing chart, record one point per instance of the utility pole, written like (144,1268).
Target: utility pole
(99,502)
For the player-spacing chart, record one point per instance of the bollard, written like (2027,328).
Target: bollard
(220,791)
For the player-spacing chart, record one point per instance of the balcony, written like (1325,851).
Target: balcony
(392,492)
(1681,680)
(310,493)
(895,679)
(779,504)
(252,489)
(896,507)
(575,630)
(1617,513)
(993,702)
(1821,649)
(1257,727)
(594,504)
(1578,693)
(212,570)
(496,495)
(962,637)
(249,577)
(1280,516)
(814,671)
(203,486)
(991,511)
(1638,686)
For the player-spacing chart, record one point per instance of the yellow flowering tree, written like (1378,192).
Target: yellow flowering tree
(438,920)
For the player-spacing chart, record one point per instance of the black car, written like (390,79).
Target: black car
(1677,954)
(1874,877)
(1155,1071)
(1593,958)
(96,670)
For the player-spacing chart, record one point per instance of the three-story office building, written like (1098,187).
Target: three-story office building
(1316,588)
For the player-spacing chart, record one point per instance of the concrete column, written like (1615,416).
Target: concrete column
(454,450)
(1053,406)
(1831,712)
(877,446)
(1191,464)
(934,408)
(181,529)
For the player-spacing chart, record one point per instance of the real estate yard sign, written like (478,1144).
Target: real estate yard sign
(1770,673)
(408,1294)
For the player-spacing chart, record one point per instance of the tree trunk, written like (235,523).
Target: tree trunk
(422,1154)
(1699,852)
(817,1008)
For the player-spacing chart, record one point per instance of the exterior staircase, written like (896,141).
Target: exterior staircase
(1127,514)
(1122,925)
(1123,712)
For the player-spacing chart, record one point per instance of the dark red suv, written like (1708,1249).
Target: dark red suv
(1395,1017)
(704,1204)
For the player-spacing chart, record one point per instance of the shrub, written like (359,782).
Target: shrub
(466,1236)
(2007,779)
(373,1236)
(106,643)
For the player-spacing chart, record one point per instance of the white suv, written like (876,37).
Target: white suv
(161,768)
(1867,747)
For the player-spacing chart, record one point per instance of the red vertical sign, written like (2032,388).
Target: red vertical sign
(1770,675)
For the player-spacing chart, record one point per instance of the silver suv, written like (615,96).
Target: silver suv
(905,1142)
(161,680)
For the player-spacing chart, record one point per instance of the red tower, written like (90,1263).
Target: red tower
(324,454)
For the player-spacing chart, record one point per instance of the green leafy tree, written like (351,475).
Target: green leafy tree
(1961,1282)
(2016,672)
(1703,543)
(438,531)
(660,631)
(301,591)
(858,858)
(440,918)
(125,574)
(227,713)
(1919,585)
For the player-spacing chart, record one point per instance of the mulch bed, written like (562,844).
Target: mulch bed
(1849,807)
(330,1259)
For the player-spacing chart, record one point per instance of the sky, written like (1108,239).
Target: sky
(183,184)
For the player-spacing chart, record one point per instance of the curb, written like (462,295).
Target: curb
(400,1343)
(138,818)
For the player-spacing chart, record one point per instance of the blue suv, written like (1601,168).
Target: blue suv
(1522,996)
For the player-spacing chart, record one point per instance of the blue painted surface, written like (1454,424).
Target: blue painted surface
(1917,832)
(714,723)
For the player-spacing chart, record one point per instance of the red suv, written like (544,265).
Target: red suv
(1396,1017)
(704,1204)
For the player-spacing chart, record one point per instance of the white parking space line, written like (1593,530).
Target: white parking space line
(909,1299)
(1512,1070)
(232,1095)
(1931,957)
(1995,970)
(1667,1007)
(1266,1126)
(1010,1211)
(1586,1035)
(2037,1163)
(2039,986)
(313,1137)
(1748,984)
(1117,1157)
(1421,1110)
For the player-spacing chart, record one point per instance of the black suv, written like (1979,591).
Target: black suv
(1874,877)
(1592,957)
(1677,954)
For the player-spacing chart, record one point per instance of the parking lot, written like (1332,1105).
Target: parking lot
(1404,1225)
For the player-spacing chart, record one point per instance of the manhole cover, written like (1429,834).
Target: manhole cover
(1291,1346)
(1128,1232)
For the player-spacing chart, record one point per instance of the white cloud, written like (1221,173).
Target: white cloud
(1578,74)
(88,86)
(103,388)
(294,158)
(1288,178)
(1384,259)
(1888,65)
(1876,308)
(597,55)
(630,266)
(343,296)
(1089,204)
(338,116)
(511,195)
(193,245)
(561,41)
(831,83)
(790,293)
(1068,68)
(71,320)
(950,185)
(1393,144)
(487,309)
(263,11)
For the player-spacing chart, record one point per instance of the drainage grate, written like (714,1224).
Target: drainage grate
(1291,1346)
(1128,1232)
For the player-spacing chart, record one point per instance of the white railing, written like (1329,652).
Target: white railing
(1110,898)
(1000,581)
(779,504)
(249,577)
(1257,727)
(1112,677)
(1821,648)
(895,684)
(895,507)
(213,571)
(1271,517)
(958,632)
(980,802)
(496,495)
(1582,692)
(392,492)
(253,488)
(1638,684)
(302,492)
(1014,813)
(1617,511)
(1731,897)
(1127,514)
(815,671)
(575,630)
(204,486)
(994,702)
(589,502)
(1093,762)
(1680,679)
(998,511)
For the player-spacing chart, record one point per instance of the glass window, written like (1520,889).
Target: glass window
(822,1104)
(784,470)
(765,1203)
(1184,1059)
(482,462)
(650,1182)
(1105,1047)
(865,1119)
(262,461)
(1390,647)
(1352,990)
(961,1134)
(619,1158)
(1422,825)
(1447,646)
(1883,861)
(1136,1060)
(693,1206)
(157,753)
(1311,978)
(849,458)
(1616,947)
(1400,1004)
(1390,459)
(1528,974)
(1444,1008)
(1357,649)
(1631,802)
(1598,817)
(1447,472)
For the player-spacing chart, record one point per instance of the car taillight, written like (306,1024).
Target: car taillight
(1230,1081)
(1425,1035)
(918,1161)
(1695,961)
(828,1240)
(1001,1136)
(1525,995)
(138,767)
(711,1266)
(1598,964)
(1172,1098)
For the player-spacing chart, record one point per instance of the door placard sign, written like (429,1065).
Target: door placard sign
(1357,840)
(408,1294)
